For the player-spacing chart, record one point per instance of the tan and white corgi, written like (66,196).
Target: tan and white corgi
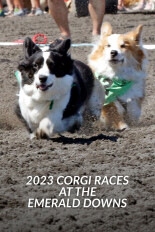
(119,62)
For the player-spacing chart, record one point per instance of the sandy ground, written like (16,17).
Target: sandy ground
(89,152)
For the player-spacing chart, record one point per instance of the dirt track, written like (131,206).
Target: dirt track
(88,152)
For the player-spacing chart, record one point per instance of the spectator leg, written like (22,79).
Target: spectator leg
(59,12)
(96,10)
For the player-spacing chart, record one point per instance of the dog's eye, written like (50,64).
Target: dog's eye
(30,75)
(35,65)
(122,46)
(108,45)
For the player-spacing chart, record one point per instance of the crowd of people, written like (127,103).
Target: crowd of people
(58,7)
(145,5)
(17,8)
(142,5)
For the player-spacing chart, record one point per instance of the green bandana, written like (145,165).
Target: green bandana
(117,88)
(51,105)
(17,75)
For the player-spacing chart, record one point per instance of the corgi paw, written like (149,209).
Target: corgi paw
(122,126)
(39,134)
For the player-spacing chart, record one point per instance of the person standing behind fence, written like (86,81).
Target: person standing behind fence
(10,7)
(1,9)
(145,5)
(19,8)
(120,5)
(15,8)
(59,12)
(35,8)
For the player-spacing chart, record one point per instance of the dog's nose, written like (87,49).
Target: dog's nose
(114,53)
(42,78)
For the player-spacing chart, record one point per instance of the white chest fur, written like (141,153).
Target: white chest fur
(35,111)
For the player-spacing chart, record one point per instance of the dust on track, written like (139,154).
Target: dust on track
(88,152)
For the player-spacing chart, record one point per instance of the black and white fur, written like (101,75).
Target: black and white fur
(52,75)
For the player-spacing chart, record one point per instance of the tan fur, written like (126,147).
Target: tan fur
(112,117)
(131,41)
(98,53)
(131,48)
(130,2)
(106,31)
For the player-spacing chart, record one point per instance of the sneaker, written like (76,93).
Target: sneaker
(139,7)
(32,13)
(149,6)
(9,13)
(38,11)
(2,13)
(19,12)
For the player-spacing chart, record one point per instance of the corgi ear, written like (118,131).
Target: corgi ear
(61,46)
(106,29)
(136,34)
(30,47)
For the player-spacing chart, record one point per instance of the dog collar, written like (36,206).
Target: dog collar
(114,88)
(51,105)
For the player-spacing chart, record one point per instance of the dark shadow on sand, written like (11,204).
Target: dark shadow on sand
(65,140)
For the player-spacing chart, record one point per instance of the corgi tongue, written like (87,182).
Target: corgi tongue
(42,87)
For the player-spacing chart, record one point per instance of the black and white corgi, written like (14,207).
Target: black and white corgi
(55,89)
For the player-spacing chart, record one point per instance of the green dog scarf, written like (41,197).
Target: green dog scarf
(114,88)
(18,76)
